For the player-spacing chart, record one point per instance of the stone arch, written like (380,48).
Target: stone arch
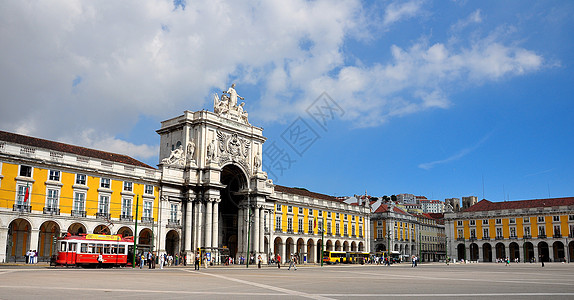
(320,247)
(102,229)
(310,251)
(266,246)
(407,250)
(559,253)
(397,247)
(473,252)
(402,249)
(486,252)
(338,245)
(413,249)
(543,252)
(77,229)
(381,248)
(234,178)
(18,242)
(528,252)
(345,246)
(145,240)
(49,232)
(277,246)
(461,251)
(514,251)
(329,245)
(172,242)
(500,251)
(571,251)
(361,247)
(354,246)
(299,249)
(289,247)
(125,231)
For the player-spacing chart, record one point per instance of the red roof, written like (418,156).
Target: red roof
(306,193)
(77,150)
(485,205)
(383,208)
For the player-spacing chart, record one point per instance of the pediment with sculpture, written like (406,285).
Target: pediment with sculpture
(228,107)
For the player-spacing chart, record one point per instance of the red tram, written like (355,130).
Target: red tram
(83,250)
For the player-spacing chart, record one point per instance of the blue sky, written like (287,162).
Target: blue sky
(435,98)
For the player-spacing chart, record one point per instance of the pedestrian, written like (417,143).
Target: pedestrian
(541,258)
(259,262)
(100,260)
(278,261)
(205,261)
(161,261)
(293,263)
(196,262)
(142,260)
(413,261)
(149,259)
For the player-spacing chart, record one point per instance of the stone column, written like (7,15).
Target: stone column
(256,232)
(3,241)
(34,238)
(283,247)
(215,230)
(200,221)
(208,221)
(187,229)
(480,253)
(262,230)
(304,253)
(240,231)
(195,225)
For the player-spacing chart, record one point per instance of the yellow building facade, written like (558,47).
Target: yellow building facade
(527,230)
(48,189)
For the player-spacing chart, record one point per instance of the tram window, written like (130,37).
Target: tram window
(122,249)
(107,249)
(114,249)
(100,248)
(72,247)
(84,248)
(63,247)
(92,248)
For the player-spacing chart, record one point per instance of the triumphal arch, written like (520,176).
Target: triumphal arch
(215,199)
(213,189)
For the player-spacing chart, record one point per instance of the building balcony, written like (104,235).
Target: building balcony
(542,236)
(103,216)
(278,230)
(127,218)
(171,223)
(527,236)
(571,235)
(557,236)
(354,235)
(78,213)
(51,211)
(486,238)
(361,235)
(148,220)
(472,238)
(290,231)
(513,237)
(460,239)
(499,238)
(266,230)
(22,208)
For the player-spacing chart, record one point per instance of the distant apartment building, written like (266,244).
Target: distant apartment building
(432,206)
(406,199)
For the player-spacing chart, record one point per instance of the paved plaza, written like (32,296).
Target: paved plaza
(471,281)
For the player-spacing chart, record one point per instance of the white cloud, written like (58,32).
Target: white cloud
(398,11)
(74,67)
(462,153)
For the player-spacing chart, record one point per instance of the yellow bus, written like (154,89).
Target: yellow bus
(344,257)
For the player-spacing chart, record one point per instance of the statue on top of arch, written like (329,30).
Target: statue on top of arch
(227,106)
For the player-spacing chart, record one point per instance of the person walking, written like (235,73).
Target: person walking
(196,263)
(259,262)
(100,260)
(293,263)
(541,258)
(278,261)
(161,261)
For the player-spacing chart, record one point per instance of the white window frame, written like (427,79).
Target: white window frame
(52,201)
(104,206)
(54,175)
(148,189)
(79,204)
(128,186)
(278,207)
(127,204)
(173,212)
(147,209)
(278,222)
(105,183)
(20,171)
(81,177)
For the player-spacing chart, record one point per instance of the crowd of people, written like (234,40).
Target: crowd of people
(32,257)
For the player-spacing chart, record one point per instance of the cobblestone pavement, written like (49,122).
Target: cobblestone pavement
(437,281)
